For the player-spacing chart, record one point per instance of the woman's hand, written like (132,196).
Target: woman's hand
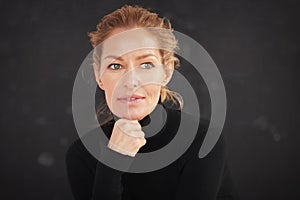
(127,137)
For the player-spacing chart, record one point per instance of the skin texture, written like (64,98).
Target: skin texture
(121,80)
(127,137)
(132,84)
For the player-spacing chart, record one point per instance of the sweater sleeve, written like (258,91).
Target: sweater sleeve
(201,178)
(89,182)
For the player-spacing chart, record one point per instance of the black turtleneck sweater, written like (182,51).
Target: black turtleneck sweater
(189,177)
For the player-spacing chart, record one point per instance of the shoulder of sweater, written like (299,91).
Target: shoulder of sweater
(78,150)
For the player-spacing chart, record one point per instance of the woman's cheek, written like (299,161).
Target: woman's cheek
(153,94)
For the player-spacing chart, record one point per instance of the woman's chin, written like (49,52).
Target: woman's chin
(131,115)
(134,113)
(134,117)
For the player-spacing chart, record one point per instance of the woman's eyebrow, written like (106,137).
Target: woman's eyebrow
(138,58)
(146,55)
(114,57)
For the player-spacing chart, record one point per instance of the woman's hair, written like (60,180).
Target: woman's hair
(137,17)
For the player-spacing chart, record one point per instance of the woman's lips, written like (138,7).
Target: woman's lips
(132,99)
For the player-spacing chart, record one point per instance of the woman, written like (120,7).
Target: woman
(132,67)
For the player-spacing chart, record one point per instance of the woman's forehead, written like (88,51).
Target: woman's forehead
(124,42)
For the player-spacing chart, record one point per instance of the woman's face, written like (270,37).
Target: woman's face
(132,82)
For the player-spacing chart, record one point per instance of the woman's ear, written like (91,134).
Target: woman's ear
(100,84)
(169,72)
(97,76)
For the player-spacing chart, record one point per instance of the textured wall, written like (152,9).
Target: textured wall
(255,44)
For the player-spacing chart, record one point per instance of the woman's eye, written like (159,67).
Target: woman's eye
(147,65)
(114,66)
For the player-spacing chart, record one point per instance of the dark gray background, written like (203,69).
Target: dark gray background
(254,43)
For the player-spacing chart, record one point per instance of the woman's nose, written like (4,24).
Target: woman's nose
(131,79)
